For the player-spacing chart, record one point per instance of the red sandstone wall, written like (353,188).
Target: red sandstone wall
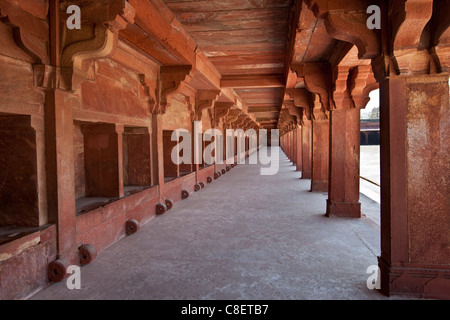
(115,91)
(177,115)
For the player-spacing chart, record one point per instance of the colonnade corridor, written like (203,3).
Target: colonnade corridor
(248,237)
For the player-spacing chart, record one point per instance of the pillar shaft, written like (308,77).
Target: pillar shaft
(294,146)
(298,147)
(415,211)
(343,188)
(158,153)
(320,152)
(60,171)
(306,149)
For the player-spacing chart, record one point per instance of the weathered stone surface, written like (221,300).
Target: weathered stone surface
(114,92)
(320,154)
(18,173)
(427,130)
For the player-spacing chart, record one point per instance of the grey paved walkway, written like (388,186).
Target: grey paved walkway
(245,236)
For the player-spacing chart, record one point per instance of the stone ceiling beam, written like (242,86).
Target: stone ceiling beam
(252,81)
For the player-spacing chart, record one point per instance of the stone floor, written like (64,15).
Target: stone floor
(244,236)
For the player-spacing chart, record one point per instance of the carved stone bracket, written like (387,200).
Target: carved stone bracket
(410,43)
(249,124)
(98,36)
(437,37)
(293,110)
(148,92)
(171,78)
(347,21)
(341,94)
(286,120)
(317,77)
(233,116)
(205,101)
(302,99)
(100,45)
(222,109)
(411,17)
(240,121)
(362,81)
(30,33)
(318,112)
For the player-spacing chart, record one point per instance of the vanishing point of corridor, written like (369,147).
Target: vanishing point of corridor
(231,240)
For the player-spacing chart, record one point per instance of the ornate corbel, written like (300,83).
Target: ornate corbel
(362,81)
(285,120)
(222,109)
(101,45)
(347,21)
(248,124)
(437,39)
(205,101)
(189,102)
(305,115)
(96,39)
(302,99)
(30,33)
(240,121)
(317,77)
(341,94)
(233,116)
(408,20)
(293,110)
(409,44)
(318,112)
(171,77)
(148,92)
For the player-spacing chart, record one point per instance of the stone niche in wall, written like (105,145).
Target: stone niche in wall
(18,172)
(177,116)
(136,159)
(96,163)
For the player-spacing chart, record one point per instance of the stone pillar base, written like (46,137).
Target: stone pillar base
(343,209)
(306,175)
(423,281)
(319,186)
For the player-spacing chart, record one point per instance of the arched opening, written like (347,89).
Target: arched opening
(370,150)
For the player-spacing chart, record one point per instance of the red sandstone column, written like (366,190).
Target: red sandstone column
(158,153)
(286,148)
(320,151)
(306,149)
(288,145)
(292,133)
(119,131)
(298,146)
(294,146)
(59,153)
(343,188)
(415,185)
(196,143)
(291,144)
(60,171)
